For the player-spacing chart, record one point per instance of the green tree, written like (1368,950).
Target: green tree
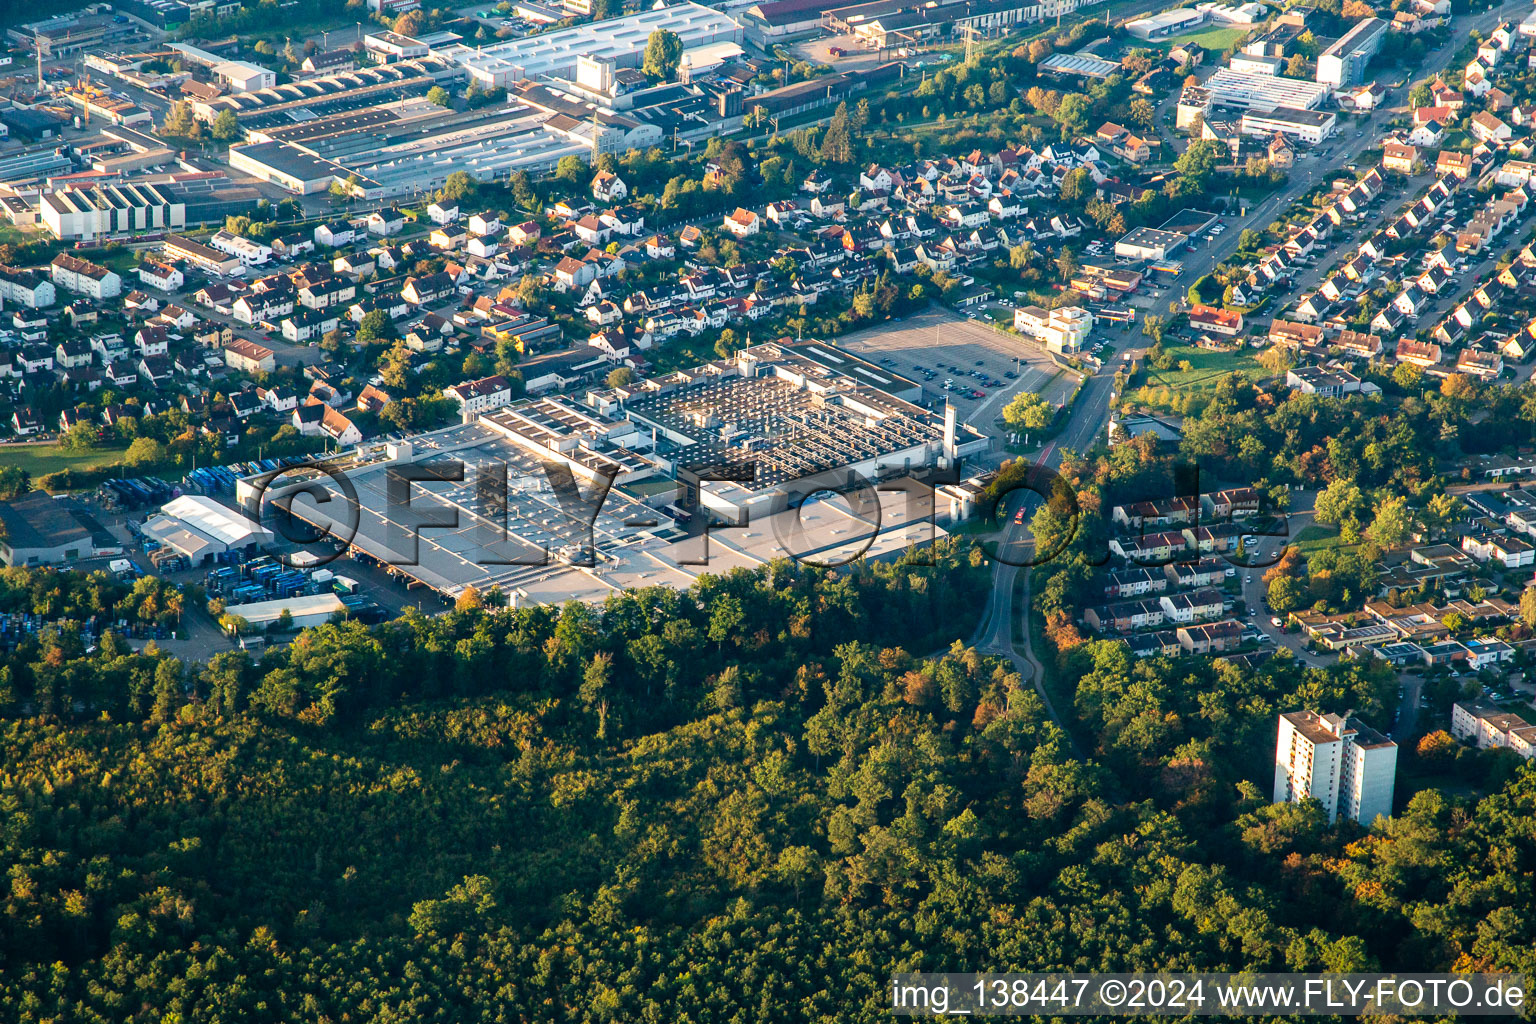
(523,192)
(1073,113)
(1407,376)
(595,683)
(180,122)
(1028,411)
(457,186)
(1440,511)
(82,437)
(1393,522)
(395,366)
(1076,185)
(1143,114)
(1340,502)
(375,326)
(663,54)
(1198,163)
(439,96)
(1277,360)
(620,376)
(837,143)
(571,168)
(144,451)
(1066,264)
(1286,594)
(14,482)
(226,127)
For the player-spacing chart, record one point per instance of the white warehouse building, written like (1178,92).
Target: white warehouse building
(252,254)
(1247,91)
(201,528)
(621,40)
(1064,330)
(108,210)
(1311,126)
(1168,23)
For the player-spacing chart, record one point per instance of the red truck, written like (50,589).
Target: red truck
(837,51)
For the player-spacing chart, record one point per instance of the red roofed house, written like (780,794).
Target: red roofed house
(1216,321)
(742,223)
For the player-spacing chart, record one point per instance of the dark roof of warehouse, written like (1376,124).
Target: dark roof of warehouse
(37,520)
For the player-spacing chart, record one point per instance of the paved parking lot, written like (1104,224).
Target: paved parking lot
(855,54)
(936,347)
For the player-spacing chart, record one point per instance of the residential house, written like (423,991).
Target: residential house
(248,357)
(473,397)
(335,233)
(742,223)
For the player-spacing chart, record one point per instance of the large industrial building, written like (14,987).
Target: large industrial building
(410,145)
(331,94)
(1167,23)
(526,519)
(202,529)
(777,20)
(1245,91)
(1306,125)
(621,40)
(39,529)
(890,23)
(236,75)
(288,167)
(1288,102)
(107,210)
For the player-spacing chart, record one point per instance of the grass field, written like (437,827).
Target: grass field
(1314,538)
(1205,369)
(1217,39)
(121,259)
(10,234)
(40,459)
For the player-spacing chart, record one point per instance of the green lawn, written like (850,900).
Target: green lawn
(39,459)
(10,234)
(119,258)
(1205,367)
(1314,538)
(1174,388)
(1218,39)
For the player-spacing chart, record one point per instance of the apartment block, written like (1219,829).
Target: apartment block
(1348,766)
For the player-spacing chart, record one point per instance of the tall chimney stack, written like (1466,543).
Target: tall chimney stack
(949,433)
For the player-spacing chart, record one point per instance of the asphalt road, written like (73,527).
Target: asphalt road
(995,632)
(1407,719)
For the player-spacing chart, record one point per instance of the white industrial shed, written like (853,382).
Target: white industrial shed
(312,610)
(201,528)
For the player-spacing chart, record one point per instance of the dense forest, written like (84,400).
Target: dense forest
(746,802)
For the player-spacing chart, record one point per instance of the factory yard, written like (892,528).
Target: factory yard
(937,347)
